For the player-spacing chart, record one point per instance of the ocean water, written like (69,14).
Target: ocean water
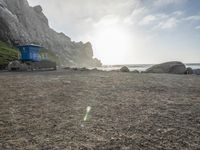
(140,67)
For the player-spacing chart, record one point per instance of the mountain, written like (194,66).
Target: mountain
(22,24)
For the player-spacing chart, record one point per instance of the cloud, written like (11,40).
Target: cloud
(162,21)
(107,20)
(135,15)
(168,24)
(195,18)
(87,8)
(197,27)
(168,2)
(178,13)
(76,17)
(148,20)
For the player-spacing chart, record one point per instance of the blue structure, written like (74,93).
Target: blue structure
(29,52)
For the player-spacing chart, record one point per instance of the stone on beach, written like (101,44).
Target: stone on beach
(124,69)
(83,69)
(135,71)
(173,67)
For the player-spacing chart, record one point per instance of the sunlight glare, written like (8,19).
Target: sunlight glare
(112,44)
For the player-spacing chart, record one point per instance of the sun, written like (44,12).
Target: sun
(112,44)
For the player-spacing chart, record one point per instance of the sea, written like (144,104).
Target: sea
(140,67)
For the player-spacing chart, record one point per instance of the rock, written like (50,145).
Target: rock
(173,67)
(197,71)
(83,69)
(177,69)
(124,69)
(38,9)
(95,69)
(135,71)
(189,71)
(74,69)
(22,24)
(67,68)
(17,66)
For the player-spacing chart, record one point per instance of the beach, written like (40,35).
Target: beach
(47,109)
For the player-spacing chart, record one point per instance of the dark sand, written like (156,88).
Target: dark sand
(45,111)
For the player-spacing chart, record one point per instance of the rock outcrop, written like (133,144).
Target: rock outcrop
(124,69)
(173,67)
(22,24)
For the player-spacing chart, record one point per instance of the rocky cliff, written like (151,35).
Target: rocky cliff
(22,24)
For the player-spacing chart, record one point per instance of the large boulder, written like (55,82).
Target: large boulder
(135,71)
(124,69)
(173,67)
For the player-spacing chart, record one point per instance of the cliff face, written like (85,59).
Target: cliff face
(22,24)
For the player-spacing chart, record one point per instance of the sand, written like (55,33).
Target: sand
(46,111)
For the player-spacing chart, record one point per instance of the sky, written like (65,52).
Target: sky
(130,31)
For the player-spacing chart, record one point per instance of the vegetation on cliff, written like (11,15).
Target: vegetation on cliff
(7,54)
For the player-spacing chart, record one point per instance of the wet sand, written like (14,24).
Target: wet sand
(45,110)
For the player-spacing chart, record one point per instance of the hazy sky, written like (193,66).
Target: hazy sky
(130,31)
